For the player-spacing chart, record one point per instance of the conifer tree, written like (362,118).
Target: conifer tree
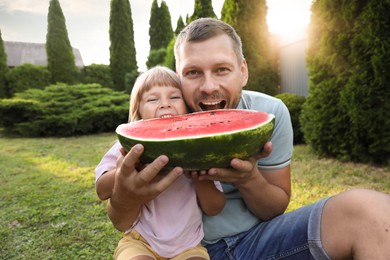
(122,46)
(3,69)
(160,26)
(255,36)
(202,8)
(60,57)
(347,112)
(160,32)
(229,12)
(179,25)
(154,26)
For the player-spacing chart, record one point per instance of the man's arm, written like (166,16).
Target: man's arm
(266,193)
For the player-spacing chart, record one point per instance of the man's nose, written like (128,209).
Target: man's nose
(209,84)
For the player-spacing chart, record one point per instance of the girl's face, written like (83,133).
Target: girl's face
(162,101)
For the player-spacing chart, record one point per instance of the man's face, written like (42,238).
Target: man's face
(210,74)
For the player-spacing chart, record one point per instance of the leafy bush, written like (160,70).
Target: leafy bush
(347,112)
(294,104)
(130,79)
(64,110)
(27,76)
(156,57)
(97,73)
(169,60)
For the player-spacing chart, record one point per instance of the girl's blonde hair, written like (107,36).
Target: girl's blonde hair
(156,76)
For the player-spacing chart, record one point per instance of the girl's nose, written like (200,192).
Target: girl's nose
(165,102)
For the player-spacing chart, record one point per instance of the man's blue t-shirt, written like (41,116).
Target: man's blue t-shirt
(236,217)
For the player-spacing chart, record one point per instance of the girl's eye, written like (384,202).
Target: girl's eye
(151,100)
(176,97)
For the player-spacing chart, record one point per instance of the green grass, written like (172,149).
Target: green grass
(49,209)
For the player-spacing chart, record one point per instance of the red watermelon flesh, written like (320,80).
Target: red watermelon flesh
(200,140)
(196,124)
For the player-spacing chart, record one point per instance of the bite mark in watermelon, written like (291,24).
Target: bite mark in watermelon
(200,140)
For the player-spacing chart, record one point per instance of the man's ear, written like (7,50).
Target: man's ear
(244,73)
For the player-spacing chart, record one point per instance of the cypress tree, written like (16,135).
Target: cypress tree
(179,25)
(166,31)
(229,12)
(3,69)
(154,27)
(202,8)
(255,36)
(160,32)
(347,112)
(160,26)
(122,47)
(169,60)
(60,58)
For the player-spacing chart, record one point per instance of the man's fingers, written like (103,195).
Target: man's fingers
(266,151)
(242,165)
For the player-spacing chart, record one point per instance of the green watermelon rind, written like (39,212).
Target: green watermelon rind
(207,151)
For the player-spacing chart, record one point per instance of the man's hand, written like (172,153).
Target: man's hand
(266,193)
(240,171)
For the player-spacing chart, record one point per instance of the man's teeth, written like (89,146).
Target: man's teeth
(211,103)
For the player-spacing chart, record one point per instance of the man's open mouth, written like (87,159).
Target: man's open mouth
(205,106)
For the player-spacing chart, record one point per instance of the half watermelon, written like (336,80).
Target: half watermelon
(200,140)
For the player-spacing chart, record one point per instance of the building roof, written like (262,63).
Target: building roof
(19,53)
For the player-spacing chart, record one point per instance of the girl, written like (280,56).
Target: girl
(169,226)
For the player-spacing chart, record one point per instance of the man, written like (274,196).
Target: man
(213,71)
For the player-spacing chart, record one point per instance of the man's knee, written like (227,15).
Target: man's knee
(353,216)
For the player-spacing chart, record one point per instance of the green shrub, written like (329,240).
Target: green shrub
(15,110)
(156,57)
(294,104)
(27,76)
(130,79)
(347,111)
(97,73)
(64,110)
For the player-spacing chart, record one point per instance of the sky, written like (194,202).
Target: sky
(87,22)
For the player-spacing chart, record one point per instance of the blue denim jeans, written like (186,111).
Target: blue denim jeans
(294,235)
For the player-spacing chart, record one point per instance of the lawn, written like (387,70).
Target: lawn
(49,209)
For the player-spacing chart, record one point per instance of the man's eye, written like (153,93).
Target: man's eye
(221,70)
(192,73)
